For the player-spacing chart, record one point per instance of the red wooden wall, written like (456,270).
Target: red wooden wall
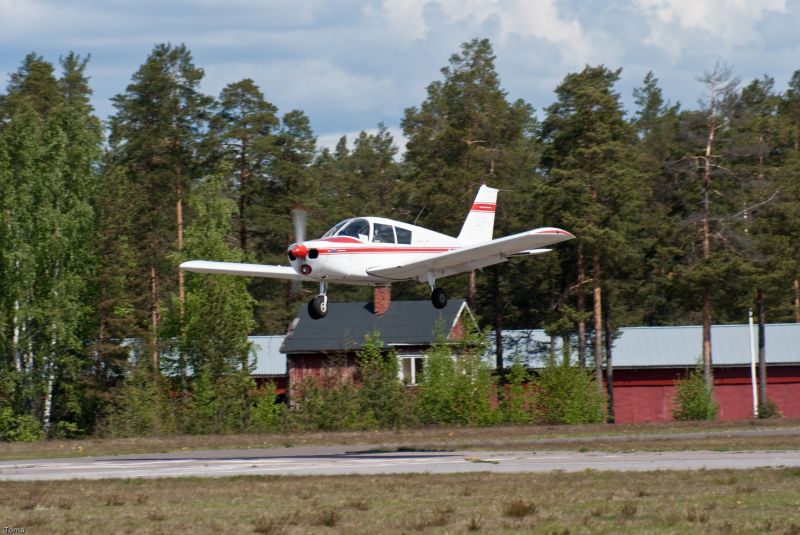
(647,395)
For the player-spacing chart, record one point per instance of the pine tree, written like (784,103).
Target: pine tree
(595,187)
(719,84)
(154,138)
(289,183)
(464,133)
(243,133)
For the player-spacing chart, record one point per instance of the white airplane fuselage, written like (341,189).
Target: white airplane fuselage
(378,251)
(348,259)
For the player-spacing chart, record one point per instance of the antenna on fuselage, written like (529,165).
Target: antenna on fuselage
(419,214)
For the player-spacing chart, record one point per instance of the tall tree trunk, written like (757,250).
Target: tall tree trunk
(796,284)
(179,223)
(708,373)
(498,321)
(609,373)
(16,330)
(155,316)
(597,294)
(47,408)
(242,206)
(244,177)
(707,169)
(581,306)
(15,338)
(181,281)
(762,352)
(472,291)
(98,345)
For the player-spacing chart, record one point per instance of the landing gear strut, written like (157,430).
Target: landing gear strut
(438,296)
(318,307)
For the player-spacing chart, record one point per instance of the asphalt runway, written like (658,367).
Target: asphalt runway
(344,460)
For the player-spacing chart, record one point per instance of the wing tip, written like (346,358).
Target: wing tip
(189,265)
(553,230)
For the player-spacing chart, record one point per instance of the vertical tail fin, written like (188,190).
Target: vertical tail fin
(479,224)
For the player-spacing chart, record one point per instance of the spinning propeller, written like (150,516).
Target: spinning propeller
(300,221)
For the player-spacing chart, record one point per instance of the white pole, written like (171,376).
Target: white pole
(753,364)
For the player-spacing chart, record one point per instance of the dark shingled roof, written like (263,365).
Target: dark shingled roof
(344,328)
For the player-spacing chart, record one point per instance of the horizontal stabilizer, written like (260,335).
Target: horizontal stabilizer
(530,252)
(244,270)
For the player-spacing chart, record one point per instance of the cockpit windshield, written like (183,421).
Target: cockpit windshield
(335,228)
(355,228)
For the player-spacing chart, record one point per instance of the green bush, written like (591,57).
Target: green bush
(473,391)
(66,429)
(769,409)
(265,413)
(436,387)
(381,395)
(328,403)
(515,402)
(141,406)
(457,389)
(567,395)
(19,427)
(693,401)
(217,405)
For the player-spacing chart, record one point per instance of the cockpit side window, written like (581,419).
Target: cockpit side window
(357,228)
(403,235)
(383,233)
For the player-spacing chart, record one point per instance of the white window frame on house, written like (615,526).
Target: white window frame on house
(416,364)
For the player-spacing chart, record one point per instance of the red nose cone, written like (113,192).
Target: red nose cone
(300,251)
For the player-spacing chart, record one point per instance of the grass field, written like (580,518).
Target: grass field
(755,501)
(717,436)
(705,501)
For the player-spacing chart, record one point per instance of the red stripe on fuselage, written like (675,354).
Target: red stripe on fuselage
(385,250)
(483,207)
(342,239)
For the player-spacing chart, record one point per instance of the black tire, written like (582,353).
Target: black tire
(439,298)
(318,307)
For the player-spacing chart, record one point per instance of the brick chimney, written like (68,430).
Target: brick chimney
(382,299)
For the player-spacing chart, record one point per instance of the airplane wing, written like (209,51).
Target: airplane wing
(475,256)
(247,270)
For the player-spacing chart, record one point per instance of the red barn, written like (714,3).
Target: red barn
(647,362)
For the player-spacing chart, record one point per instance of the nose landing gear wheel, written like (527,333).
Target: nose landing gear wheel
(318,307)
(439,298)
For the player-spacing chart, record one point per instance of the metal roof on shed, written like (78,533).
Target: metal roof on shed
(665,347)
(268,358)
(346,325)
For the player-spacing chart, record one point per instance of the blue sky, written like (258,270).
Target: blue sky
(352,64)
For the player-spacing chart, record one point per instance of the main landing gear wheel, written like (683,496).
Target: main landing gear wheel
(439,298)
(318,307)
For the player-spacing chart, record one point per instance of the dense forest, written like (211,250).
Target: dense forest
(682,216)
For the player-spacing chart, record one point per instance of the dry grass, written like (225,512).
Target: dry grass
(784,434)
(573,503)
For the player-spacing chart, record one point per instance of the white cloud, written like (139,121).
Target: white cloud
(676,25)
(294,83)
(404,18)
(526,19)
(350,64)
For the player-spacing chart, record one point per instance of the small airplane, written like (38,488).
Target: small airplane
(377,251)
